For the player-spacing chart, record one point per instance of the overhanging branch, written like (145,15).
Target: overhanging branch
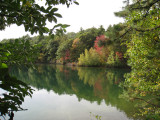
(145,7)
(145,30)
(137,29)
(148,102)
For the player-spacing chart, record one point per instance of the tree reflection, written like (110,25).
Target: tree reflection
(92,84)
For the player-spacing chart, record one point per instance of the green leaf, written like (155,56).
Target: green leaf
(52,36)
(64,30)
(76,2)
(58,15)
(24,2)
(65,26)
(46,29)
(7,53)
(4,58)
(49,8)
(26,27)
(58,25)
(54,10)
(42,9)
(50,19)
(54,19)
(3,65)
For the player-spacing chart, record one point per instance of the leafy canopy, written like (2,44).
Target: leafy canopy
(143,82)
(32,15)
(15,52)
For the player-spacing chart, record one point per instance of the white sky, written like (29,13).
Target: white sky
(89,13)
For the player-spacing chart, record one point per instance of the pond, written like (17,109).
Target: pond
(74,93)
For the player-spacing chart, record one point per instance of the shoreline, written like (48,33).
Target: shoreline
(76,65)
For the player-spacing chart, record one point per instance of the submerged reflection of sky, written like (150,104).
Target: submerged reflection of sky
(50,106)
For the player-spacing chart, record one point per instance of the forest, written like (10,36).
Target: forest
(90,47)
(134,43)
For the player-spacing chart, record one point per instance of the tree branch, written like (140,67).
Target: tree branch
(147,6)
(4,15)
(158,106)
(144,30)
(137,29)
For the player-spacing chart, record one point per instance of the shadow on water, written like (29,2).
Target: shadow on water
(91,84)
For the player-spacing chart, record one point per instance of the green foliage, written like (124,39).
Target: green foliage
(80,41)
(110,60)
(88,37)
(18,51)
(115,46)
(64,46)
(52,50)
(15,91)
(14,52)
(115,41)
(143,50)
(49,46)
(90,58)
(115,61)
(32,15)
(125,12)
(68,47)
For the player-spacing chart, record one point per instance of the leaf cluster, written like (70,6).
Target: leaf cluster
(32,15)
(143,50)
(18,51)
(14,52)
(14,92)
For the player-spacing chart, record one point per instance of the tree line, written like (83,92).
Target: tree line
(90,47)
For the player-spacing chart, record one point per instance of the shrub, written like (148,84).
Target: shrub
(90,58)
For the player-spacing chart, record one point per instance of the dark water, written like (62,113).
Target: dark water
(74,93)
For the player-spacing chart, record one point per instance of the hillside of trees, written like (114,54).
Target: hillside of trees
(90,47)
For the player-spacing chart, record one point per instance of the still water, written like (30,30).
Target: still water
(74,93)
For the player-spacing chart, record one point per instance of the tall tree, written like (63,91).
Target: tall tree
(143,23)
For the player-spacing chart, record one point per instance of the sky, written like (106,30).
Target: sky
(89,13)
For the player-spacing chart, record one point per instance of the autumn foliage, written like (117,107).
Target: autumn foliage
(95,56)
(119,55)
(67,55)
(99,43)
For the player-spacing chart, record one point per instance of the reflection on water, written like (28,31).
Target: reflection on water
(71,93)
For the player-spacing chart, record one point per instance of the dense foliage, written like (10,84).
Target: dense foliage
(19,51)
(13,93)
(14,52)
(32,15)
(71,47)
(91,58)
(143,83)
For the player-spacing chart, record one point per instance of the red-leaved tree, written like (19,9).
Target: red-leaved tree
(67,55)
(99,43)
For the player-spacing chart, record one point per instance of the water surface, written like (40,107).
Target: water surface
(74,93)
